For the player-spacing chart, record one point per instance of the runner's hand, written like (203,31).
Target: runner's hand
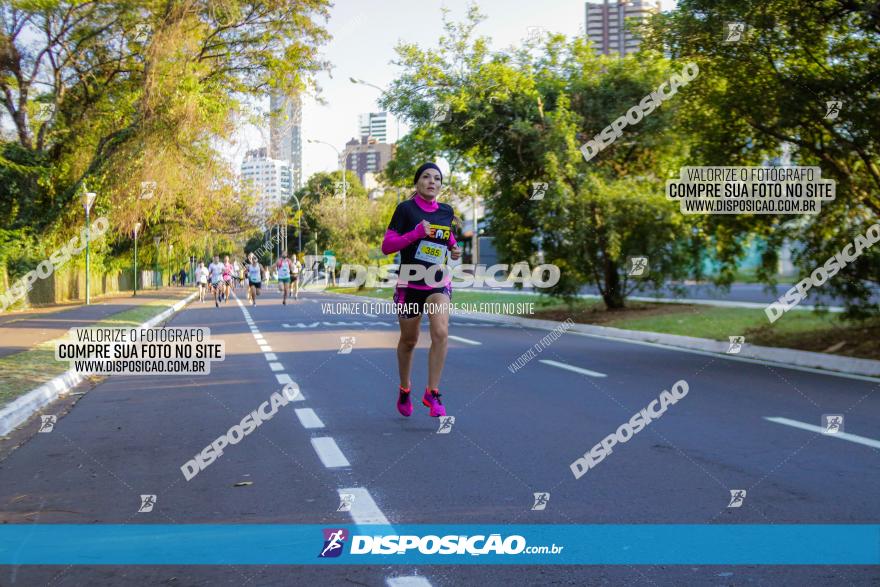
(426,226)
(455,253)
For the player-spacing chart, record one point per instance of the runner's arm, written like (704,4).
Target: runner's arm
(394,242)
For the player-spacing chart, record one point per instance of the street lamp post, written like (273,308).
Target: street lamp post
(341,156)
(137,227)
(156,241)
(299,230)
(396,118)
(88,200)
(170,263)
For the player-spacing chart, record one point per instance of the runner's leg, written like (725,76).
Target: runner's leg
(409,337)
(439,327)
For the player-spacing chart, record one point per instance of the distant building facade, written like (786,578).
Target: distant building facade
(271,179)
(606,24)
(366,158)
(285,134)
(374,124)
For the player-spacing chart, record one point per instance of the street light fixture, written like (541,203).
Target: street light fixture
(137,227)
(88,200)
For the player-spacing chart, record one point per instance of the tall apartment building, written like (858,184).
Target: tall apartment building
(271,179)
(374,124)
(285,133)
(367,157)
(606,27)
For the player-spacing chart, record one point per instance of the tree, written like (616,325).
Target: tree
(773,88)
(351,228)
(123,92)
(522,115)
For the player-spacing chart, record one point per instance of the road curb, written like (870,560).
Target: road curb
(21,409)
(682,301)
(771,355)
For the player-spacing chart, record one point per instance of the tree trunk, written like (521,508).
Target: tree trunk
(612,294)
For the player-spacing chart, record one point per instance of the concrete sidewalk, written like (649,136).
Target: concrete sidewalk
(20,331)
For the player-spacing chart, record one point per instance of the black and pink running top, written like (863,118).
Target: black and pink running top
(406,234)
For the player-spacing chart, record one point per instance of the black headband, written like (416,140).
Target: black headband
(422,169)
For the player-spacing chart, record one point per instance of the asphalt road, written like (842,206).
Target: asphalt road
(514,434)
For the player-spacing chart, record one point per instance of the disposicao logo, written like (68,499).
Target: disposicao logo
(334,540)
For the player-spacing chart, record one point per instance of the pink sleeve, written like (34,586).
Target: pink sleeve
(394,242)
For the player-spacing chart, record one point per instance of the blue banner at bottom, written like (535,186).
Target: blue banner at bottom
(249,544)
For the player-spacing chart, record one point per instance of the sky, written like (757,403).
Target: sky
(364,37)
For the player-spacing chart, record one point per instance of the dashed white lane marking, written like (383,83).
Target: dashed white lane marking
(259,338)
(308,418)
(329,453)
(411,581)
(572,368)
(464,340)
(297,392)
(841,435)
(363,509)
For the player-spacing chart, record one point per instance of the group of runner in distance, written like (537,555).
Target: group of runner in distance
(223,277)
(421,232)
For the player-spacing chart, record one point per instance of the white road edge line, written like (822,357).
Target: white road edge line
(464,340)
(841,435)
(572,368)
(329,452)
(410,581)
(731,357)
(308,418)
(363,509)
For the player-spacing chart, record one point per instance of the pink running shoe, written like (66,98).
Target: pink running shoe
(431,399)
(404,405)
